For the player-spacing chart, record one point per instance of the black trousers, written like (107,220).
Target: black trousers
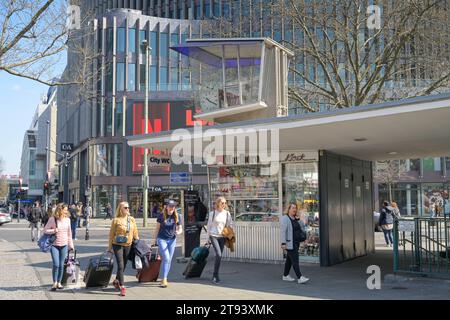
(121,253)
(292,260)
(218,244)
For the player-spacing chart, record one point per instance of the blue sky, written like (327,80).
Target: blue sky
(18,101)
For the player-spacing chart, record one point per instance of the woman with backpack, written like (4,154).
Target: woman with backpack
(121,235)
(59,225)
(387,223)
(168,226)
(217,221)
(292,234)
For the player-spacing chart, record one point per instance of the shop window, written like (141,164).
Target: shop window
(106,159)
(301,187)
(252,195)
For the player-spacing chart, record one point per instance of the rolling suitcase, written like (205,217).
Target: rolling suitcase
(71,270)
(99,271)
(194,269)
(150,273)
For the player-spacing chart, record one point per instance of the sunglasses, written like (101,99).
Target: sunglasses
(126,207)
(223,203)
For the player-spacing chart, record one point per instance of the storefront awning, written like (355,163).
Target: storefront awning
(405,129)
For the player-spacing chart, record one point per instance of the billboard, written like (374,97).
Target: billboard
(162,116)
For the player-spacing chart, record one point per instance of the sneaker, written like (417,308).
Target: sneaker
(60,287)
(216,280)
(53,289)
(303,280)
(123,291)
(287,278)
(164,283)
(32,240)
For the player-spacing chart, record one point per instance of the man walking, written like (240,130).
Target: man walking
(73,221)
(79,209)
(87,219)
(35,218)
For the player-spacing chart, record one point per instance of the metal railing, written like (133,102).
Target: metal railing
(422,246)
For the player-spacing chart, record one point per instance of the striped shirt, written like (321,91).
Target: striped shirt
(64,235)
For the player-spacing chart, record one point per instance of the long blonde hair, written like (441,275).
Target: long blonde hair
(219,200)
(59,214)
(166,213)
(119,213)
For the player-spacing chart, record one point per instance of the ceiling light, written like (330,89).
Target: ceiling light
(360,139)
(392,153)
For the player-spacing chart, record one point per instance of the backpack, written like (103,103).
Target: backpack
(73,214)
(200,254)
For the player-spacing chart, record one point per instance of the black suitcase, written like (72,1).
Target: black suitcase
(99,271)
(194,269)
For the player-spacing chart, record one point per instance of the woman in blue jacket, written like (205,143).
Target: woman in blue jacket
(292,233)
(387,222)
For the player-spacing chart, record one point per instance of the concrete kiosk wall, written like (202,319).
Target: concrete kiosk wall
(346,214)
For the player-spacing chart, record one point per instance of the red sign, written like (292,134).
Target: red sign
(162,116)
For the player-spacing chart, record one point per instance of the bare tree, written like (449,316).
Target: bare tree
(389,172)
(3,182)
(32,38)
(342,61)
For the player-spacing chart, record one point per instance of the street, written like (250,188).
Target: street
(25,273)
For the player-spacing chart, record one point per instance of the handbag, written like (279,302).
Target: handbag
(387,226)
(46,241)
(124,239)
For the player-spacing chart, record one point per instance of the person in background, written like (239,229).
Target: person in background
(73,220)
(60,225)
(167,228)
(79,209)
(291,228)
(108,211)
(217,221)
(387,223)
(121,235)
(395,210)
(35,218)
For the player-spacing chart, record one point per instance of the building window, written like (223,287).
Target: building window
(198,12)
(103,197)
(207,8)
(216,8)
(108,117)
(447,163)
(142,37)
(154,46)
(163,79)
(174,40)
(173,78)
(153,77)
(32,163)
(164,42)
(120,77)
(142,77)
(118,119)
(226,10)
(121,40)
(74,168)
(132,40)
(109,39)
(106,159)
(132,77)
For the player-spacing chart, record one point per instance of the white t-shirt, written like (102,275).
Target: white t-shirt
(217,221)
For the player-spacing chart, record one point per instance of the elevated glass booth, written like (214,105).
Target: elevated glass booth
(238,79)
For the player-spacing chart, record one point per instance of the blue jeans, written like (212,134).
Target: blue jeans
(218,244)
(59,254)
(166,249)
(73,225)
(388,236)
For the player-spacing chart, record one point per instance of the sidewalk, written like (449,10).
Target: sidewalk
(240,280)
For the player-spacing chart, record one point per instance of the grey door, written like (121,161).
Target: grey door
(368,208)
(334,211)
(358,208)
(347,209)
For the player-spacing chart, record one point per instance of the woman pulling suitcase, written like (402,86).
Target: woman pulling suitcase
(121,235)
(167,228)
(59,225)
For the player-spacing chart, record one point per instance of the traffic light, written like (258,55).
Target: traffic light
(46,185)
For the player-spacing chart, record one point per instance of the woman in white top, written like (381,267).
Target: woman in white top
(217,221)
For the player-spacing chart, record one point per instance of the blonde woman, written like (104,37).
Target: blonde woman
(168,226)
(121,235)
(59,225)
(291,237)
(217,221)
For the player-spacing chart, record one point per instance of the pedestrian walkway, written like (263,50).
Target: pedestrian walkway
(240,280)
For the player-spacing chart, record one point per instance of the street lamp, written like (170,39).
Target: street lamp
(145,45)
(47,165)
